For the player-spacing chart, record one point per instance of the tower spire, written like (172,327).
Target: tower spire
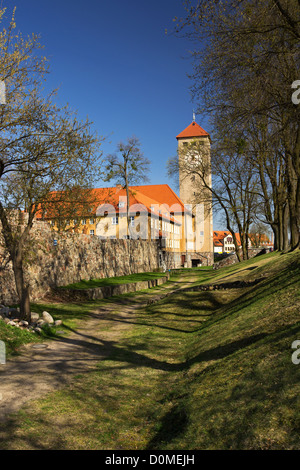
(194,116)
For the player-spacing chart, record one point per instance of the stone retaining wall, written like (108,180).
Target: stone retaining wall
(57,260)
(233,259)
(105,292)
(62,259)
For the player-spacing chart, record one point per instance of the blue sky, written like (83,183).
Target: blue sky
(114,63)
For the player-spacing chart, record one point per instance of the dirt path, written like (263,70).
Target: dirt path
(47,366)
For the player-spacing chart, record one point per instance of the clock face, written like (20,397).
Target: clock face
(193,151)
(193,157)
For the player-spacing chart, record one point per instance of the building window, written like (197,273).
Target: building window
(83,222)
(91,221)
(92,232)
(132,221)
(115,220)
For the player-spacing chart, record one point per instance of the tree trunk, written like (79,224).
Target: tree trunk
(294,229)
(285,223)
(280,228)
(294,203)
(128,207)
(237,249)
(22,289)
(276,236)
(243,246)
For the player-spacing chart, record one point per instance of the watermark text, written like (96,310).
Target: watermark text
(2,92)
(296,94)
(296,354)
(2,353)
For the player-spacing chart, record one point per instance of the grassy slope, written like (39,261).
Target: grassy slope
(198,370)
(240,388)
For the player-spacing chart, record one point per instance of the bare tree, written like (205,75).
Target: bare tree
(128,168)
(233,188)
(246,58)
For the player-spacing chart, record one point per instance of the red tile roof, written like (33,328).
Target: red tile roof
(137,202)
(193,130)
(261,238)
(162,193)
(219,235)
(158,199)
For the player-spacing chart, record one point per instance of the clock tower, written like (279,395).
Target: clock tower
(194,154)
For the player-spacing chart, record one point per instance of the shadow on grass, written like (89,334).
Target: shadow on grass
(110,351)
(172,426)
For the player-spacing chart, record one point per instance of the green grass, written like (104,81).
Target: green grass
(71,314)
(112,281)
(197,370)
(14,338)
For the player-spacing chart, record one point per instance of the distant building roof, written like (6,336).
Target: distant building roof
(219,235)
(262,239)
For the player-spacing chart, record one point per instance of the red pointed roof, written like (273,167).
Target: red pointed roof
(193,130)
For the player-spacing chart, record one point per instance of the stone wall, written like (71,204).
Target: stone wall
(233,259)
(62,259)
(203,258)
(105,292)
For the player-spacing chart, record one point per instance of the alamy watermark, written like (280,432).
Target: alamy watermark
(171,224)
(2,352)
(2,358)
(296,94)
(296,354)
(2,92)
